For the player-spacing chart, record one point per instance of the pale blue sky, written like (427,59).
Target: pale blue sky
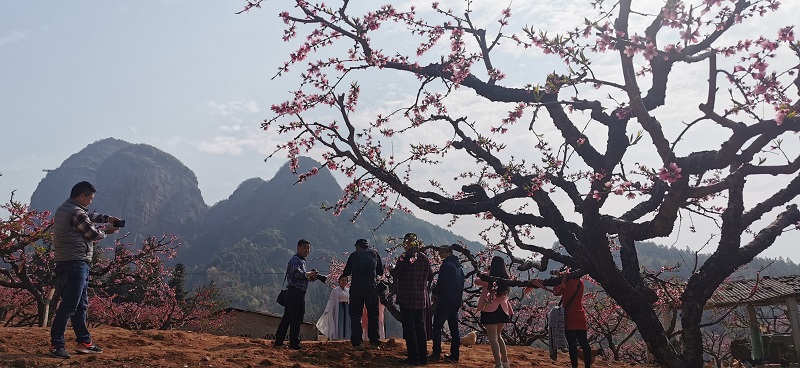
(189,77)
(192,78)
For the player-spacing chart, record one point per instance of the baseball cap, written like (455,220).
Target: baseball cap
(362,243)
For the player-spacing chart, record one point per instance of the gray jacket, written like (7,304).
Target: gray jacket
(70,244)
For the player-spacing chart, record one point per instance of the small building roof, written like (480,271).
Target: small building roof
(758,292)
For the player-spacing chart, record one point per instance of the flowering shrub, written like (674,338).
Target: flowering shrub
(129,285)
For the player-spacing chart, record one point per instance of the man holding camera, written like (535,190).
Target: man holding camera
(74,236)
(297,279)
(365,266)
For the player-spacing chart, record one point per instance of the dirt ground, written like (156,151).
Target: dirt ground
(28,347)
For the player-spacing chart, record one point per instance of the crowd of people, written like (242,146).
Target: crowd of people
(353,310)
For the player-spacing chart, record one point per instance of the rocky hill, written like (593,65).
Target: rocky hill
(295,211)
(152,190)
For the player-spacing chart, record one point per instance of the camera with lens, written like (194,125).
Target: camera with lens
(322,278)
(118,223)
(381,287)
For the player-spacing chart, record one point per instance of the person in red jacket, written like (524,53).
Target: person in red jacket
(571,292)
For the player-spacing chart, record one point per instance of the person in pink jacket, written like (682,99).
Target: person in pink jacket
(495,310)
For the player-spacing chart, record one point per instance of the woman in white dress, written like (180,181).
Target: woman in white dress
(335,321)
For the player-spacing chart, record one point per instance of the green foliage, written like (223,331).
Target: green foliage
(653,257)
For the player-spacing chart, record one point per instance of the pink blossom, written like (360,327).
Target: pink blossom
(670,174)
(780,116)
(623,112)
(650,51)
(689,35)
(786,34)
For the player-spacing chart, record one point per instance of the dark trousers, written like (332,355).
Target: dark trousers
(573,338)
(414,334)
(450,315)
(73,283)
(363,294)
(292,318)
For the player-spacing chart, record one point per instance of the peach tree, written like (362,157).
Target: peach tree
(612,130)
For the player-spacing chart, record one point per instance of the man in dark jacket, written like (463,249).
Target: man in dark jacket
(411,275)
(448,291)
(365,266)
(297,279)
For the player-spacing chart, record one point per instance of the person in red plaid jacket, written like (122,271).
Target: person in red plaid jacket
(411,275)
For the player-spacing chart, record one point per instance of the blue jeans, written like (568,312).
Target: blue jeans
(449,314)
(73,282)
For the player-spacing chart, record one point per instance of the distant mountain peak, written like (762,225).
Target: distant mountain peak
(151,189)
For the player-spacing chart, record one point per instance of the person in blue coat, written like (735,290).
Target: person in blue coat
(449,290)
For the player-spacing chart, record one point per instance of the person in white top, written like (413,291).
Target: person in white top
(335,320)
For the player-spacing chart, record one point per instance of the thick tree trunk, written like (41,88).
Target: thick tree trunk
(599,263)
(650,328)
(692,339)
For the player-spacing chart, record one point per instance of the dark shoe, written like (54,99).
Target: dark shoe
(295,347)
(277,344)
(408,362)
(375,345)
(359,347)
(59,352)
(435,357)
(88,348)
(449,358)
